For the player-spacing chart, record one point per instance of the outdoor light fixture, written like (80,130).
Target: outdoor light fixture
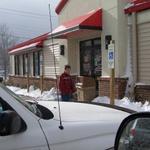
(62,50)
(108,38)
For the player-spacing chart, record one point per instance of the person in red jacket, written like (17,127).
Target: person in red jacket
(66,84)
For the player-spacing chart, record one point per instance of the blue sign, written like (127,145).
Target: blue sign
(111,56)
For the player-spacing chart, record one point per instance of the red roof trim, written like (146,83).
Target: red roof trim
(138,7)
(60,6)
(34,40)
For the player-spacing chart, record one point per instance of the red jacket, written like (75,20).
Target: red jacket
(66,84)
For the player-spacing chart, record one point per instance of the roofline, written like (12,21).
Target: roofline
(36,39)
(60,6)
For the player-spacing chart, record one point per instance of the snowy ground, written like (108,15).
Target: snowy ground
(51,95)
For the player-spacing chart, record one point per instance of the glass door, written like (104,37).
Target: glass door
(90,58)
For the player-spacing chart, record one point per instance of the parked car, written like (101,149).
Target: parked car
(134,133)
(32,126)
(139,134)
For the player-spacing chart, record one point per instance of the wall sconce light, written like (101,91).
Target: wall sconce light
(62,50)
(108,38)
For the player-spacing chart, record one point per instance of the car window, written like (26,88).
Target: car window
(10,122)
(19,99)
(38,110)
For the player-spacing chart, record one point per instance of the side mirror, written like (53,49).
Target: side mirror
(10,123)
(134,133)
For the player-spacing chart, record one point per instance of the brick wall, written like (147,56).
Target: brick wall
(142,93)
(120,87)
(21,81)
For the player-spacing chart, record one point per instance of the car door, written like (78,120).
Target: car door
(30,138)
(78,136)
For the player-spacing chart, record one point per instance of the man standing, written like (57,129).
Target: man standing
(66,84)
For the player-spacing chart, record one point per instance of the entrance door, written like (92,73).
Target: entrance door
(90,58)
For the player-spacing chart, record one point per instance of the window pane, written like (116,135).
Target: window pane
(88,43)
(97,42)
(36,62)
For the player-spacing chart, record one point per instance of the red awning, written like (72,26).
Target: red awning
(137,6)
(89,21)
(32,44)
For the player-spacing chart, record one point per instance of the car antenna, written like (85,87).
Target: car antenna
(58,99)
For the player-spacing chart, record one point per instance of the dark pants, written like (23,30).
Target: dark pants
(66,97)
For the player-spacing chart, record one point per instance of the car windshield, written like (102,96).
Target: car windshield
(19,99)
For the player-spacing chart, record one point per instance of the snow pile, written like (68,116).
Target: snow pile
(36,93)
(126,103)
(33,93)
(14,89)
(50,95)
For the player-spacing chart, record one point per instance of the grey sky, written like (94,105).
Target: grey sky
(27,18)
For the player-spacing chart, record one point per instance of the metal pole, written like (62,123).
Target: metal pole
(111,61)
(61,127)
(112,87)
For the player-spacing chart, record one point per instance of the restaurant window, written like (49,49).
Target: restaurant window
(36,63)
(90,57)
(17,63)
(23,63)
(26,64)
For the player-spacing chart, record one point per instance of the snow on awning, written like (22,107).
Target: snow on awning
(89,21)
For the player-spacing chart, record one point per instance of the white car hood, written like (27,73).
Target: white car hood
(86,126)
(79,112)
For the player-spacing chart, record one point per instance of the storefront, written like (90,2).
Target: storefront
(32,63)
(87,31)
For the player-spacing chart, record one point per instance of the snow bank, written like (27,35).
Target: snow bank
(14,89)
(46,95)
(52,95)
(126,103)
